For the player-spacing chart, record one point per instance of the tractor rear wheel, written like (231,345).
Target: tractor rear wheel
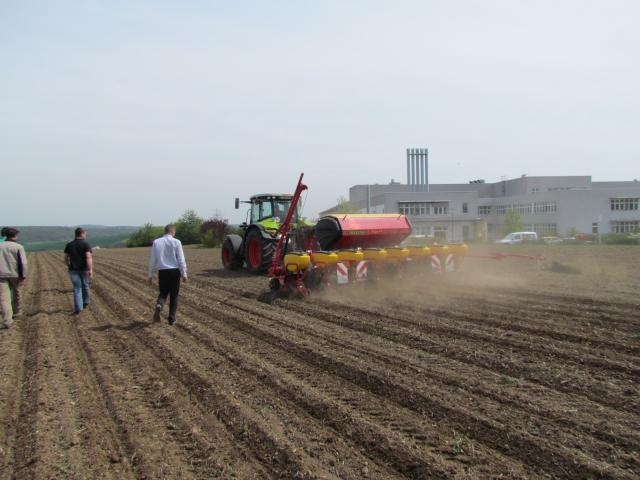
(231,255)
(258,252)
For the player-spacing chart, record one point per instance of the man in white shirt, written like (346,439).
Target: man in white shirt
(167,258)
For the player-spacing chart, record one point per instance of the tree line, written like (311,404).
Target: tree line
(190,230)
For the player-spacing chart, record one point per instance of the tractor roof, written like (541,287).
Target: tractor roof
(270,196)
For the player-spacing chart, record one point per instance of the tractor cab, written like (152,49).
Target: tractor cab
(262,230)
(269,210)
(269,206)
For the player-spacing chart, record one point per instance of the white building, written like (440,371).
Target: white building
(476,210)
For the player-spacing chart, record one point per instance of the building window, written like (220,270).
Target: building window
(415,209)
(502,209)
(625,227)
(440,233)
(465,208)
(594,227)
(524,209)
(624,204)
(545,228)
(440,210)
(544,207)
(484,210)
(421,230)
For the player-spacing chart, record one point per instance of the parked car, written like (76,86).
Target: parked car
(515,238)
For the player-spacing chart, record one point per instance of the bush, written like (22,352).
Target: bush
(213,231)
(145,236)
(621,239)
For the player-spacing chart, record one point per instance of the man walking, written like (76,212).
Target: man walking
(13,271)
(79,259)
(167,257)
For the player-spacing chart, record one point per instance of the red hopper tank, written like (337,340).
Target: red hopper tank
(344,231)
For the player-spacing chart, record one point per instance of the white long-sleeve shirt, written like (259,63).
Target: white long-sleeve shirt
(166,252)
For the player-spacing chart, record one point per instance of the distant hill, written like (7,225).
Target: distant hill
(54,238)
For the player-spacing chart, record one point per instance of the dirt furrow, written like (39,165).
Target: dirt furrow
(532,400)
(518,361)
(531,320)
(123,368)
(398,436)
(455,325)
(616,430)
(583,311)
(486,431)
(255,389)
(278,454)
(336,414)
(509,370)
(17,385)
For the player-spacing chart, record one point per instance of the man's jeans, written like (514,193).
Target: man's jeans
(80,281)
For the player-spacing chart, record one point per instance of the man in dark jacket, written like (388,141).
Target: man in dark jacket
(78,257)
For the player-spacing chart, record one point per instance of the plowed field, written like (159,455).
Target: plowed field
(508,369)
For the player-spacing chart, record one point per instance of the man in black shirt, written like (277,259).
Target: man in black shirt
(80,262)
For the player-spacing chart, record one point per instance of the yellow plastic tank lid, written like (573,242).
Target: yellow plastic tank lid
(299,260)
(439,249)
(397,252)
(419,251)
(328,258)
(374,253)
(350,255)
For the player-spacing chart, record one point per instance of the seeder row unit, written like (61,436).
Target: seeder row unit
(349,248)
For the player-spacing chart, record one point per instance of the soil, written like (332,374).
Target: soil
(511,368)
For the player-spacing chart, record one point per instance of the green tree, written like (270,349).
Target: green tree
(214,231)
(188,228)
(145,236)
(512,222)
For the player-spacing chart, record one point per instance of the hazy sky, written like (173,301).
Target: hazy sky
(127,112)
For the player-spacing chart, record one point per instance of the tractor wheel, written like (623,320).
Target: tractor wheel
(258,252)
(231,255)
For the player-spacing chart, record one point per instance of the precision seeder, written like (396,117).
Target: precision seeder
(346,248)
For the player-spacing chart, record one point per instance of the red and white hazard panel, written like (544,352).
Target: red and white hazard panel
(361,270)
(435,263)
(450,264)
(342,272)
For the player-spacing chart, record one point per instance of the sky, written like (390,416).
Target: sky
(126,112)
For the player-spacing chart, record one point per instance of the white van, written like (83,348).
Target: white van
(519,237)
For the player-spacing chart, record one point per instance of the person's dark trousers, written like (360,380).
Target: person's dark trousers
(169,285)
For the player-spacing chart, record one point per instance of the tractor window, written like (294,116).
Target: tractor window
(280,209)
(260,210)
(265,210)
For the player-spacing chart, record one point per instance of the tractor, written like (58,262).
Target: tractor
(257,244)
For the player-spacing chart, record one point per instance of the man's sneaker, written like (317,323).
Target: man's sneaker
(171,320)
(156,314)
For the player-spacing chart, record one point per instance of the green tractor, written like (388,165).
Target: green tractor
(256,246)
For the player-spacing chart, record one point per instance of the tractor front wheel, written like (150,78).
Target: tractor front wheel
(230,252)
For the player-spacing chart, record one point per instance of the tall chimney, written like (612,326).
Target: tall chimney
(418,169)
